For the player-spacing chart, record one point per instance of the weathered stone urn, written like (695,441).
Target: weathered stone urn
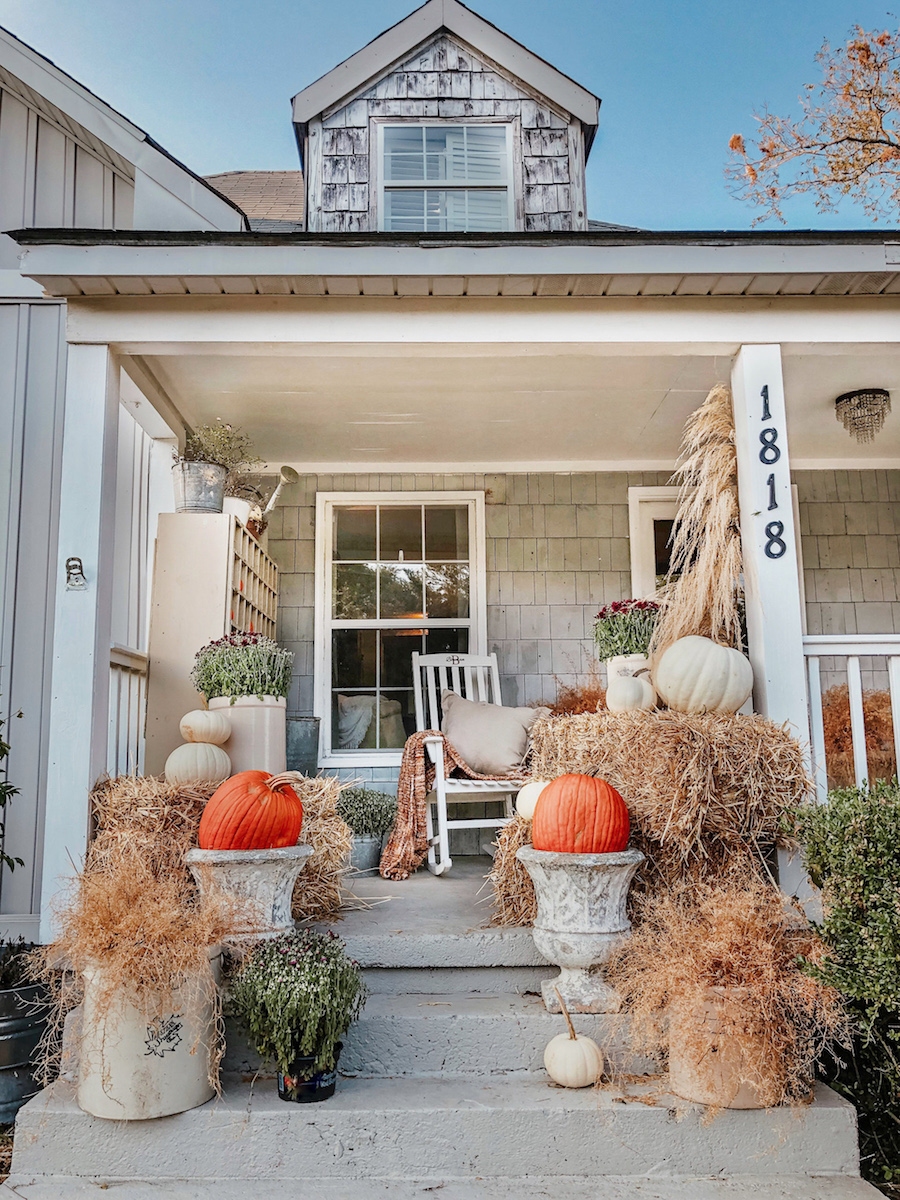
(580,919)
(262,880)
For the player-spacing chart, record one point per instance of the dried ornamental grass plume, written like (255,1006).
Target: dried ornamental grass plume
(734,935)
(704,576)
(242,664)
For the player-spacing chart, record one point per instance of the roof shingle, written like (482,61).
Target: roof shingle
(266,195)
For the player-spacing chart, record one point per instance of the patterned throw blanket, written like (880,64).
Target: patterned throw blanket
(407,846)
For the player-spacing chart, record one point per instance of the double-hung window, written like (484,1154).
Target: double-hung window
(394,573)
(444,178)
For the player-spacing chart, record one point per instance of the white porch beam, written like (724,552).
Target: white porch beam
(771,566)
(80,679)
(278,324)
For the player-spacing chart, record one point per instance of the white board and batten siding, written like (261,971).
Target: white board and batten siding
(446,81)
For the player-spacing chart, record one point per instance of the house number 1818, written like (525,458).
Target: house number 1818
(769,454)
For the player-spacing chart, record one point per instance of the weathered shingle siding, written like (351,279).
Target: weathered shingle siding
(447,81)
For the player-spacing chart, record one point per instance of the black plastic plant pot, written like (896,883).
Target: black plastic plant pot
(304,1086)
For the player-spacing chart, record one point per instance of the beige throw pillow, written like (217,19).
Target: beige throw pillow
(491,739)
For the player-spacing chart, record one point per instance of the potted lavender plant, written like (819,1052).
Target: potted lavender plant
(297,996)
(622,633)
(248,676)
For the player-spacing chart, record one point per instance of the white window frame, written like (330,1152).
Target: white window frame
(646,505)
(376,169)
(326,502)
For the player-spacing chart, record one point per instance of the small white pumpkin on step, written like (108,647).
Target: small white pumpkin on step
(627,693)
(570,1059)
(528,797)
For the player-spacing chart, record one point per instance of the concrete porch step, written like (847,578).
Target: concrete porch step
(494,981)
(469,1034)
(434,1130)
(776,1187)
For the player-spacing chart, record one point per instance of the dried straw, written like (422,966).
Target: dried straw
(702,790)
(318,894)
(746,939)
(702,587)
(513,891)
(587,696)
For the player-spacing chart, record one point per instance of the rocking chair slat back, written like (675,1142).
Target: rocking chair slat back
(473,676)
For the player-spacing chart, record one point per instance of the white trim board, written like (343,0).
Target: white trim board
(325,503)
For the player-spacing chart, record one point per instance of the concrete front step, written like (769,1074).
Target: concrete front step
(435,1130)
(774,1187)
(470,1035)
(494,981)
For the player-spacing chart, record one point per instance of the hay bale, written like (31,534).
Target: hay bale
(705,793)
(513,891)
(318,894)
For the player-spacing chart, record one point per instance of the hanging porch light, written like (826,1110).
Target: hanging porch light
(862,412)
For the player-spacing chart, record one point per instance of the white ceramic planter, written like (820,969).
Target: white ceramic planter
(626,664)
(258,739)
(580,919)
(237,508)
(132,1069)
(704,1062)
(262,881)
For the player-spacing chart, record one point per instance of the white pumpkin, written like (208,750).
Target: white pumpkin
(197,762)
(528,798)
(696,675)
(201,725)
(573,1062)
(628,692)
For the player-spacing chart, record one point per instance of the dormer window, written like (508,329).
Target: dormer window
(445,178)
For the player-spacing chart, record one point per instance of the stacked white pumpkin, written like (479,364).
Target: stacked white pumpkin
(694,675)
(201,759)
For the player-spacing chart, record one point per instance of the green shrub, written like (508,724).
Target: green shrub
(852,852)
(297,995)
(368,813)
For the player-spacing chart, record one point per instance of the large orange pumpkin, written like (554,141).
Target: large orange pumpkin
(252,810)
(580,814)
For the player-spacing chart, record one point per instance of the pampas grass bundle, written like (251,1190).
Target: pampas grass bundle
(742,937)
(702,588)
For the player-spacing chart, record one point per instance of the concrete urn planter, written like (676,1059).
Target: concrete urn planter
(580,919)
(263,880)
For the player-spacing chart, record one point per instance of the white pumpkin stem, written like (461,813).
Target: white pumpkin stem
(565,1012)
(285,779)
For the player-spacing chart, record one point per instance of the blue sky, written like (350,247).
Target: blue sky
(211,80)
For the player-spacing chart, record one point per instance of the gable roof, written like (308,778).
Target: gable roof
(434,16)
(51,91)
(263,195)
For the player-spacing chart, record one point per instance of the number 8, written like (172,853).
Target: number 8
(770,453)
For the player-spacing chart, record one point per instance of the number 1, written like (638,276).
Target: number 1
(770,483)
(766,415)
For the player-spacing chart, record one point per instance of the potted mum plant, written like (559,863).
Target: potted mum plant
(714,979)
(248,676)
(622,633)
(297,996)
(370,815)
(212,453)
(23,1019)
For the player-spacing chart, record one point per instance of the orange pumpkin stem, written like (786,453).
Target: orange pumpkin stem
(565,1012)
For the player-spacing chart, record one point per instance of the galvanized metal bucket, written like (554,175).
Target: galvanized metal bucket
(21,1026)
(199,487)
(365,853)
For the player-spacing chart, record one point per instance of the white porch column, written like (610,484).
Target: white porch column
(771,563)
(80,679)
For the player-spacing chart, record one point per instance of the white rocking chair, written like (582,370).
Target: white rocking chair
(474,677)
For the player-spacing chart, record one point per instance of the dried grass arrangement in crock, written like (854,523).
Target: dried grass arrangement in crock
(703,791)
(744,937)
(880,751)
(512,890)
(705,567)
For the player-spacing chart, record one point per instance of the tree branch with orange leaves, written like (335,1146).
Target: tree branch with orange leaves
(846,144)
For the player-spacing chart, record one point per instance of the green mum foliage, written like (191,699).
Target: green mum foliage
(368,813)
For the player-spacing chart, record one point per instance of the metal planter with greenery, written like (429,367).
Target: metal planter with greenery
(297,996)
(23,1019)
(212,455)
(248,677)
(370,815)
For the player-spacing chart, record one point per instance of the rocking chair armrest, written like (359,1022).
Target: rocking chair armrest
(434,745)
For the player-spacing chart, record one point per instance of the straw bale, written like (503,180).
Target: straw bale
(704,792)
(318,894)
(513,891)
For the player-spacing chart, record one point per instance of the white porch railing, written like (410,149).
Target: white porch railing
(851,647)
(127,710)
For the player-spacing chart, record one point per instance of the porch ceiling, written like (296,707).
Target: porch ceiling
(360,407)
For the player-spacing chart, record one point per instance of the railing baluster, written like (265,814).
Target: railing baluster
(817,729)
(857,720)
